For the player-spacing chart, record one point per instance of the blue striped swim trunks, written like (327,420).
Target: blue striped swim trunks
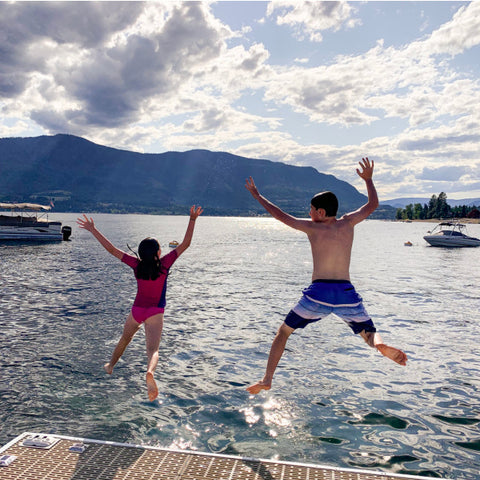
(324,297)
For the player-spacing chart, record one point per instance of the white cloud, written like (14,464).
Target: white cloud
(410,82)
(311,18)
(458,35)
(15,130)
(31,30)
(129,64)
(447,173)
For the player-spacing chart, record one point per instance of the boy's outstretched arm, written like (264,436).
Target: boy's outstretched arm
(87,224)
(364,211)
(275,211)
(195,212)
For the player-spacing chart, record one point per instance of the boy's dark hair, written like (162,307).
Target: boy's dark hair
(150,265)
(326,200)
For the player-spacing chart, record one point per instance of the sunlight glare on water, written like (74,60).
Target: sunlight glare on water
(334,400)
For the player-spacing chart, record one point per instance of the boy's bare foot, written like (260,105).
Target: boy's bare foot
(152,387)
(108,368)
(392,353)
(254,389)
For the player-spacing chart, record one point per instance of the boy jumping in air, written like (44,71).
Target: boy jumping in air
(331,291)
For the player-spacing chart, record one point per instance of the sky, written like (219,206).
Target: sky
(319,84)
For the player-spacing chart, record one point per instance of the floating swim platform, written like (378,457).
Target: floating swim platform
(34,456)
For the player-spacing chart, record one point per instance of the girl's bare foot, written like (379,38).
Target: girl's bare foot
(108,368)
(257,387)
(152,387)
(392,353)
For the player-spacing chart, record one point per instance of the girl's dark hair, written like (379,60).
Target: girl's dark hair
(326,200)
(150,265)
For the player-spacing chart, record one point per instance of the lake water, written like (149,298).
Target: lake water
(334,400)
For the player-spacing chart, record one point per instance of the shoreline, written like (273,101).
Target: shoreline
(472,221)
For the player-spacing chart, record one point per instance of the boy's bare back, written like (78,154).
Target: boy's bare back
(331,242)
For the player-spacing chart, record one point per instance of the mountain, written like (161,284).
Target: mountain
(403,202)
(83,176)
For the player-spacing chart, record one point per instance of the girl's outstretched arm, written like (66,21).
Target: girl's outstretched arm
(87,224)
(187,240)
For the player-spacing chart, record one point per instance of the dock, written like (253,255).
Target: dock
(36,456)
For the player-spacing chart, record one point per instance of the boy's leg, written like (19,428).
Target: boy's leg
(153,335)
(276,352)
(374,340)
(129,330)
(360,322)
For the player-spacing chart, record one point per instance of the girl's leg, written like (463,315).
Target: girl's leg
(129,330)
(153,334)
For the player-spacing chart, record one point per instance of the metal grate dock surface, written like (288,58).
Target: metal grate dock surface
(115,461)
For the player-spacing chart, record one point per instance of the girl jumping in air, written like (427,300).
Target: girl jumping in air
(151,272)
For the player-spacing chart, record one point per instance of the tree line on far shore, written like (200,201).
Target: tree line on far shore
(438,208)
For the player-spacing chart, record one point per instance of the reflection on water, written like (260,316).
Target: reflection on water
(334,400)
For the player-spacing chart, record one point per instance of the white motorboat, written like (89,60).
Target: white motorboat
(25,221)
(451,234)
